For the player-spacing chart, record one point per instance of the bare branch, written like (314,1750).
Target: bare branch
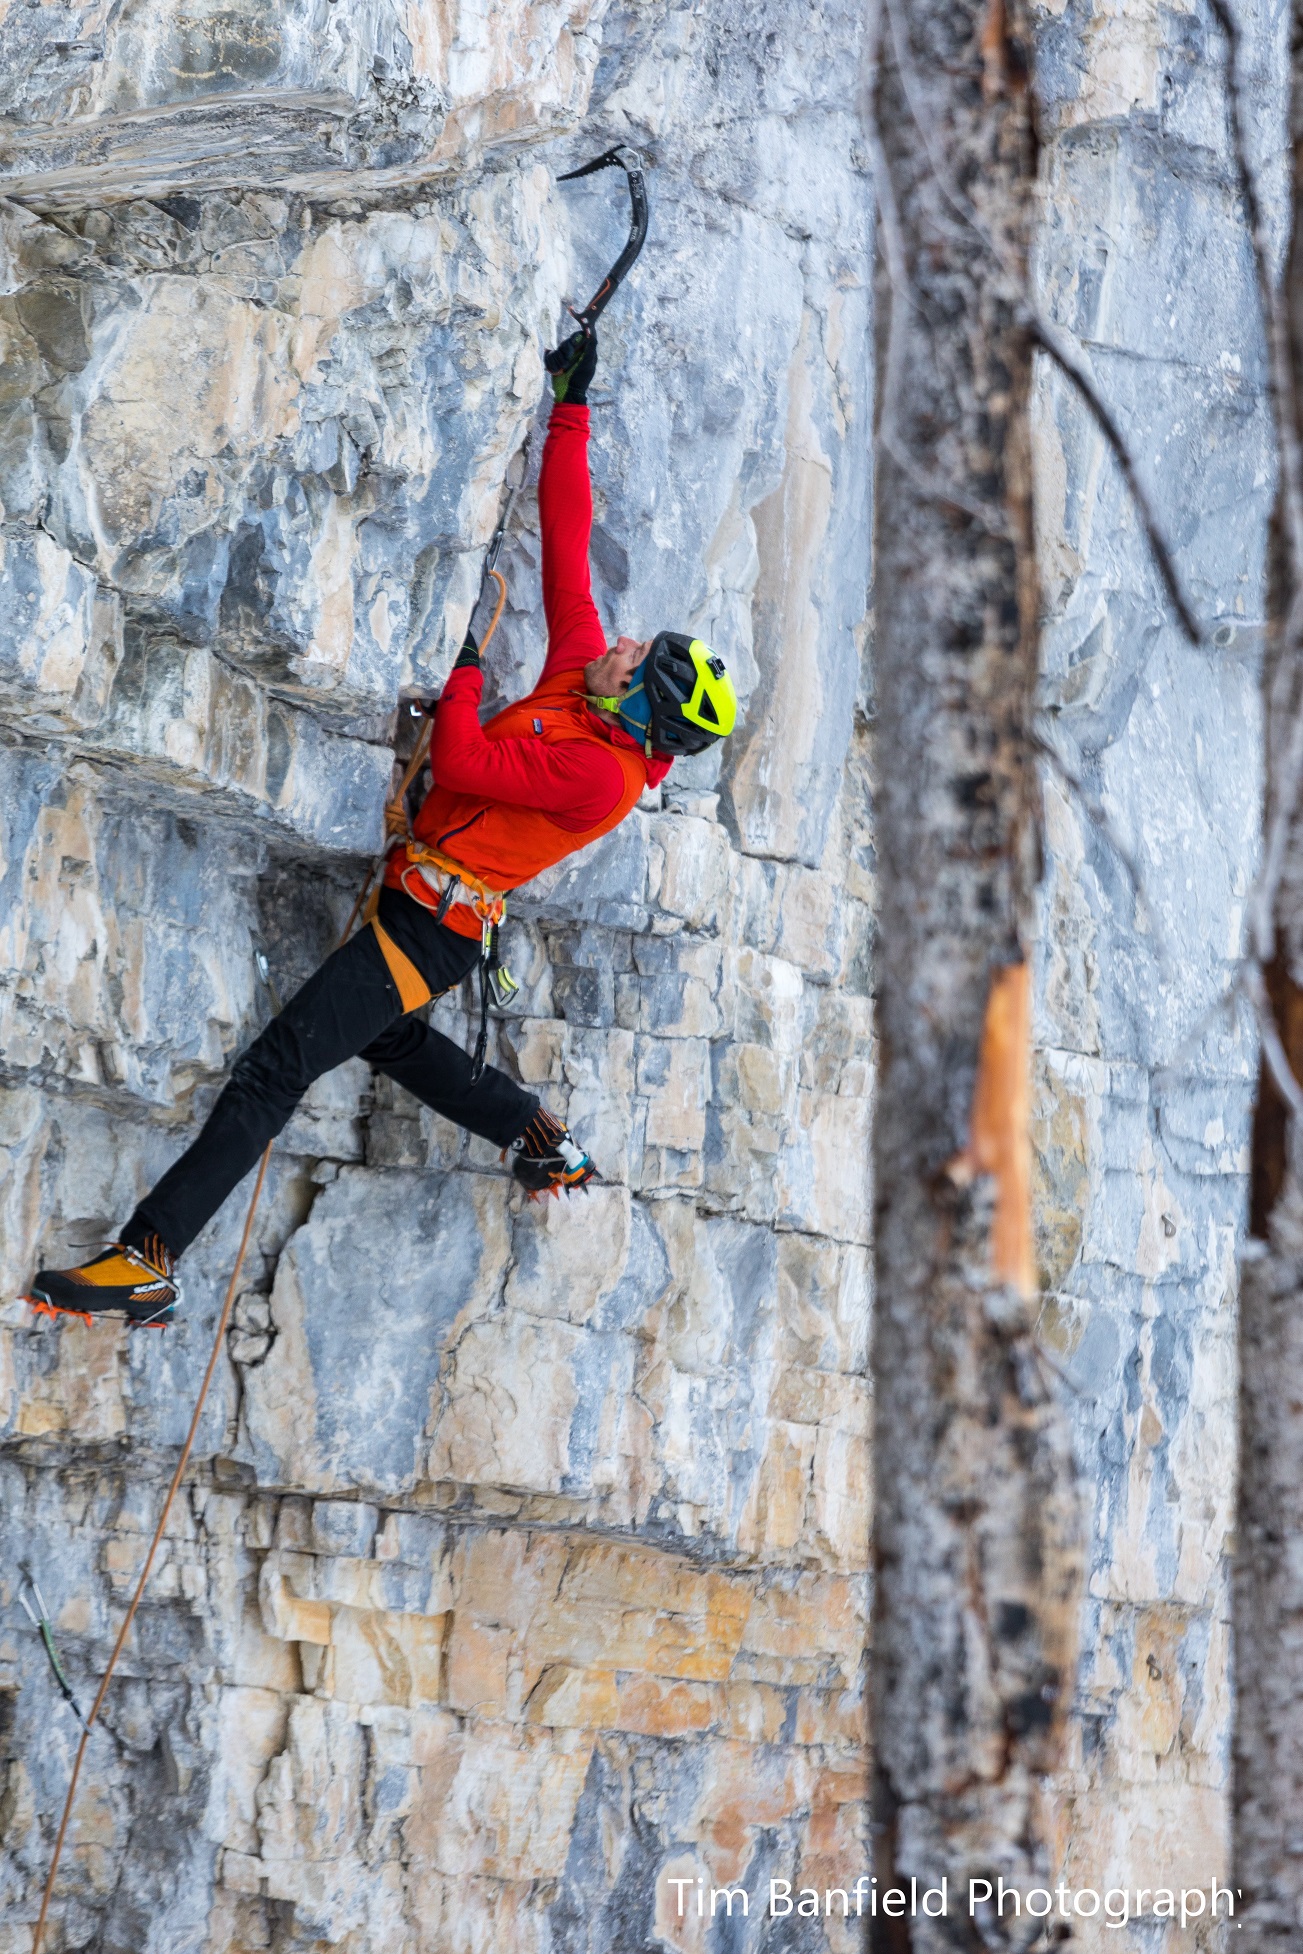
(1098,816)
(1273,1050)
(1046,335)
(1073,367)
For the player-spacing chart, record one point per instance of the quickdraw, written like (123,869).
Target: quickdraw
(622,157)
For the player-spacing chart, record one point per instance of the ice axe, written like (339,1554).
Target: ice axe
(628,160)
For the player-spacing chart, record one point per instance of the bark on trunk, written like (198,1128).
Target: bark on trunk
(1268,1592)
(976,1520)
(1267,1579)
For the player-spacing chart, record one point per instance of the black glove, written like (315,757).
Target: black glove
(572,366)
(469,653)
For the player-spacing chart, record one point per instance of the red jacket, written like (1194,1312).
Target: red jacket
(545,776)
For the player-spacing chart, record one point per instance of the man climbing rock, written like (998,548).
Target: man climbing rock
(544,777)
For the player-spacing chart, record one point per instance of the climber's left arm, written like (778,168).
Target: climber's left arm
(574,781)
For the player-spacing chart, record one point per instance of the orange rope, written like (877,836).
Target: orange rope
(415,763)
(413,768)
(181,1465)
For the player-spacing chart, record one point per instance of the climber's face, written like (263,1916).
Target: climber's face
(608,678)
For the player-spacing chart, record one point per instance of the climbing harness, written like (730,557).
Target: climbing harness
(622,157)
(39,1617)
(445,877)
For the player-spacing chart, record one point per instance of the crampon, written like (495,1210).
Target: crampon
(138,1285)
(545,1160)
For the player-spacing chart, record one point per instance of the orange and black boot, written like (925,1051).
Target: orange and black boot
(139,1284)
(545,1159)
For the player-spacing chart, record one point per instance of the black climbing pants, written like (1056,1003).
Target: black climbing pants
(349,1007)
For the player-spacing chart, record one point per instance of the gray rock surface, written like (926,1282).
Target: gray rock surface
(1146,1068)
(524,1567)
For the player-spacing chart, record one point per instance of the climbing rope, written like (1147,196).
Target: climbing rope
(393,807)
(130,1616)
(396,826)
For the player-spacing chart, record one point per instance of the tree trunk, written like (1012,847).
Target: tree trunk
(1267,1581)
(975,1605)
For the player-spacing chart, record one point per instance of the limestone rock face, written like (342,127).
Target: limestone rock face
(1147,1060)
(524,1565)
(523,1570)
(324,95)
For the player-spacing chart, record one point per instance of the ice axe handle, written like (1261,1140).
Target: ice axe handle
(628,160)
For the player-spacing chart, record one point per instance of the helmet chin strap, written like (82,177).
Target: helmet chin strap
(616,704)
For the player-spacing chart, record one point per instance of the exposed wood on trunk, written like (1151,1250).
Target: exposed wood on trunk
(977,1519)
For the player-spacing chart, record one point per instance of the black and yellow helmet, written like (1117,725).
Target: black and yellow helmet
(690,697)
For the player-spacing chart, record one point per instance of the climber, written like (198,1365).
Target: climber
(546,776)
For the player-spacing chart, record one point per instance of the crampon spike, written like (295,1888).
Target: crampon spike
(42,1308)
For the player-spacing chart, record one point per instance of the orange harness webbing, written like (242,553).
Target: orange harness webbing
(490,905)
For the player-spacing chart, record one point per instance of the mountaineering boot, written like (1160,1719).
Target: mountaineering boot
(137,1283)
(545,1158)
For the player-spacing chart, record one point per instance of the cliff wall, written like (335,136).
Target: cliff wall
(524,1568)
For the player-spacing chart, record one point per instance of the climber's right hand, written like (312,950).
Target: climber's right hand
(572,365)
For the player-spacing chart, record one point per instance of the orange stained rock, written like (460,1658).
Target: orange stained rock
(576,1699)
(745,1786)
(757,1712)
(499,1801)
(830,1717)
(833,1845)
(839,1785)
(83,1392)
(782,1612)
(627,1608)
(999,1140)
(477,1665)
(307,1621)
(391,1658)
(1152,1712)
(655,1708)
(474,1914)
